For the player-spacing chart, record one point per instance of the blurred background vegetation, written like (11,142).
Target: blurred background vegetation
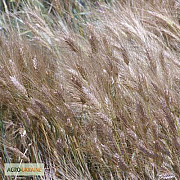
(72,7)
(73,12)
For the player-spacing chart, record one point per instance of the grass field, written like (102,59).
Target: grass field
(91,88)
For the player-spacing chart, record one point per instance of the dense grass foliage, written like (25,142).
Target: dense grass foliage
(94,96)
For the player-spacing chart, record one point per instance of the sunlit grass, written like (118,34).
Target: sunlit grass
(92,97)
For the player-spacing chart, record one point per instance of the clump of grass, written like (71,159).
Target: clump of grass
(102,105)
